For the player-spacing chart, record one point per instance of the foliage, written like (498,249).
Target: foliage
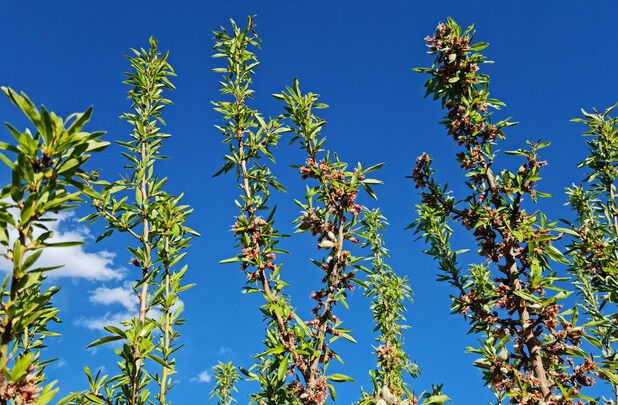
(44,170)
(595,240)
(389,293)
(296,349)
(512,298)
(156,221)
(226,377)
(534,348)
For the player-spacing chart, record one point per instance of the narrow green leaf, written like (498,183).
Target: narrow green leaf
(340,378)
(103,340)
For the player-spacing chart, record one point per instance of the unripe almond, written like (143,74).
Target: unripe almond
(503,355)
(482,363)
(304,226)
(331,236)
(388,397)
(326,244)
(535,308)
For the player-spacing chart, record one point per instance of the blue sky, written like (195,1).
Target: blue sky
(552,58)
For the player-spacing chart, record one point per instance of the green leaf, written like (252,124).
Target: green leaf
(567,231)
(556,255)
(25,105)
(80,120)
(70,398)
(160,361)
(526,296)
(373,168)
(7,161)
(116,331)
(332,391)
(65,244)
(347,337)
(20,368)
(340,378)
(609,376)
(29,261)
(536,272)
(479,46)
(283,369)
(103,340)
(68,165)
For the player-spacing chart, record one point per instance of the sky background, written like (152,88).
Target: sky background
(552,58)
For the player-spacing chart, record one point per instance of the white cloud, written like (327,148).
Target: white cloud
(203,377)
(81,264)
(60,363)
(124,296)
(117,295)
(223,350)
(113,319)
(76,261)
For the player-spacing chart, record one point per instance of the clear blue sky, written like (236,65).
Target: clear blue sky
(551,59)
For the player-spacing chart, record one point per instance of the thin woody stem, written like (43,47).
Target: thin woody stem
(528,334)
(263,277)
(612,196)
(334,274)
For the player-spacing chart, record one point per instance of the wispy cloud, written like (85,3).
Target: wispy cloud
(59,364)
(98,323)
(122,295)
(223,350)
(76,261)
(203,377)
(116,295)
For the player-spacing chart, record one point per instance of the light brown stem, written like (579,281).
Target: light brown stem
(279,321)
(612,197)
(334,275)
(527,333)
